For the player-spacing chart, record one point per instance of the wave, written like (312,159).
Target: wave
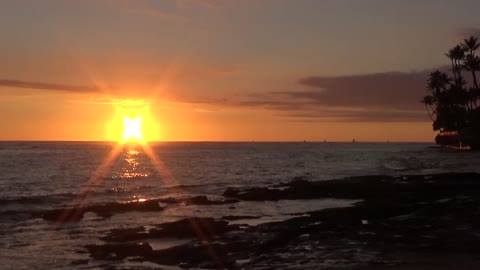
(37,199)
(405,164)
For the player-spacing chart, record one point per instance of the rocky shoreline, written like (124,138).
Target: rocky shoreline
(408,222)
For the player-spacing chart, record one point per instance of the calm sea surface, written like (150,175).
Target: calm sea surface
(37,176)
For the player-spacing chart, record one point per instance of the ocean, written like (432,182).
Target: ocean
(41,176)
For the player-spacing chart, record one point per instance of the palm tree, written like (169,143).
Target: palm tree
(458,53)
(471,62)
(429,101)
(451,56)
(471,44)
(438,82)
(451,103)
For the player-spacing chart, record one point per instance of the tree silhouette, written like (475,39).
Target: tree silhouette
(456,55)
(471,62)
(450,102)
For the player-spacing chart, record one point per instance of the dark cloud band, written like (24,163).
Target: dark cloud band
(47,86)
(397,90)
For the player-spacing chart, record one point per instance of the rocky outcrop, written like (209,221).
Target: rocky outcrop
(206,229)
(408,222)
(76,213)
(119,251)
(104,210)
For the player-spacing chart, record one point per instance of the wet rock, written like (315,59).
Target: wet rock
(79,262)
(73,214)
(375,187)
(201,228)
(119,251)
(203,200)
(190,227)
(255,194)
(200,255)
(126,234)
(106,210)
(64,215)
(232,217)
(412,221)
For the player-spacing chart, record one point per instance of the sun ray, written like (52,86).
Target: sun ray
(203,230)
(74,210)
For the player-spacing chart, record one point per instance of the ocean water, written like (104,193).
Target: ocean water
(39,176)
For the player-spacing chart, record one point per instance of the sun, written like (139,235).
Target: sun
(133,124)
(132,129)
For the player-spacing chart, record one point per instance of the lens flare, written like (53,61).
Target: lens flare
(132,129)
(133,124)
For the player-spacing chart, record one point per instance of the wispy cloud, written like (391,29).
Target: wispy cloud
(47,86)
(379,97)
(400,90)
(348,115)
(182,4)
(113,101)
(169,11)
(147,8)
(155,13)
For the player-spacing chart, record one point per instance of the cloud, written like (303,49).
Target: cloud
(48,86)
(311,111)
(377,97)
(399,90)
(183,4)
(147,9)
(346,115)
(156,13)
(114,101)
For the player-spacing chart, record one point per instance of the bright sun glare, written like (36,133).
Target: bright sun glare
(133,124)
(132,129)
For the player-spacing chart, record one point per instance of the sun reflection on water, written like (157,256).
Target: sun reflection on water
(131,167)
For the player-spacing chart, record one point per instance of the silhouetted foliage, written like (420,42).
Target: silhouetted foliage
(451,102)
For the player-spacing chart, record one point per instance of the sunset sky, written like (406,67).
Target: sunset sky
(220,70)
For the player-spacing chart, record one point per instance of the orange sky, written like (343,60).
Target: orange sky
(223,70)
(69,119)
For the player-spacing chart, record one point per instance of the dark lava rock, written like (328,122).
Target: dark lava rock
(190,227)
(203,200)
(205,229)
(119,251)
(109,209)
(255,194)
(375,187)
(200,255)
(73,214)
(196,200)
(232,217)
(64,215)
(104,210)
(409,222)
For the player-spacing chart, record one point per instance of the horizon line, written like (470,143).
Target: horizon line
(225,141)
